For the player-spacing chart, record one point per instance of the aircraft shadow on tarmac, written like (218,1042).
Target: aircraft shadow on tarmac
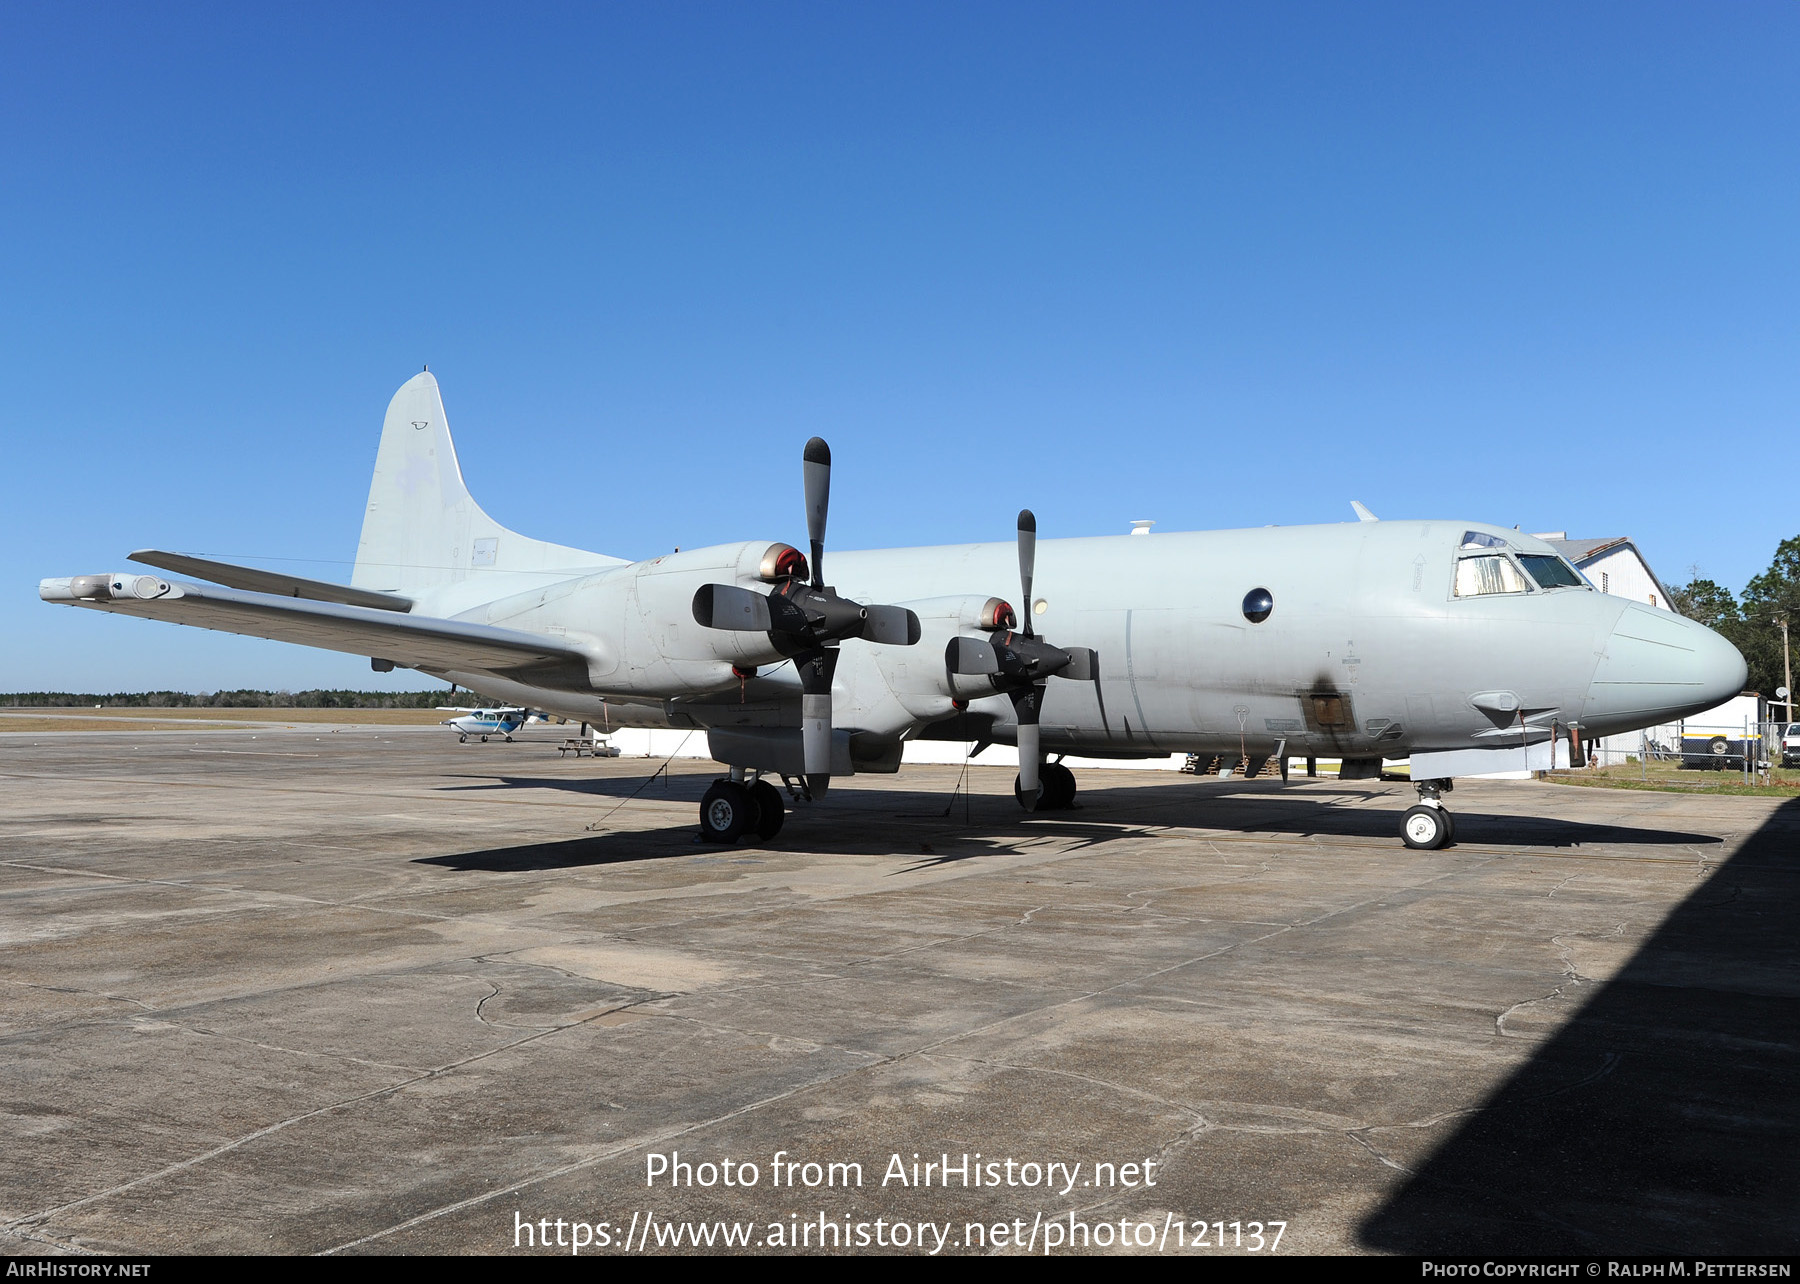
(1664,1117)
(620,847)
(946,828)
(1244,807)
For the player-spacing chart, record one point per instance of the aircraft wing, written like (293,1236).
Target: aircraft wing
(404,640)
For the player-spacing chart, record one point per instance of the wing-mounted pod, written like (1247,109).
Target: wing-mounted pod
(805,618)
(1019,665)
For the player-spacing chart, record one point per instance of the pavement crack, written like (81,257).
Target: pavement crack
(1356,1136)
(493,992)
(1572,977)
(76,989)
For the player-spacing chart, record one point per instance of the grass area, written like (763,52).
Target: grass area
(192,719)
(1668,778)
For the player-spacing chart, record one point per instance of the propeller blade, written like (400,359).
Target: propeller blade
(816,671)
(817,474)
(1027,561)
(1031,757)
(971,657)
(1084,664)
(891,625)
(726,606)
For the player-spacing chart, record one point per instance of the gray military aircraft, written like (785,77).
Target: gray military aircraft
(1469,648)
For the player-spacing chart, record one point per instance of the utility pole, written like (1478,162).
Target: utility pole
(1787,668)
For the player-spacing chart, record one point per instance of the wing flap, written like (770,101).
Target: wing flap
(405,640)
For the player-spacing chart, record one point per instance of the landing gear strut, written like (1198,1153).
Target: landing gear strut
(1429,825)
(733,809)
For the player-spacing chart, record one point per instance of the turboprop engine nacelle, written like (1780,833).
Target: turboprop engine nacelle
(921,681)
(662,647)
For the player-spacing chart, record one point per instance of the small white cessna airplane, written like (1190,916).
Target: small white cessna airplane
(484,722)
(1467,647)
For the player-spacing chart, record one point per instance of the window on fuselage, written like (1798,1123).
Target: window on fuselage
(1550,571)
(1481,576)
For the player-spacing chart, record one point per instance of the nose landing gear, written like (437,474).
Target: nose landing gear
(1429,825)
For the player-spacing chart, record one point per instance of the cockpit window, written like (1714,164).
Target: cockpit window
(1477,539)
(1479,576)
(1550,572)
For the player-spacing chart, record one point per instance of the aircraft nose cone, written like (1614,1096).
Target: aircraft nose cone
(1657,667)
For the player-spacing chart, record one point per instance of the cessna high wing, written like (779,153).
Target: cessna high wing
(1469,648)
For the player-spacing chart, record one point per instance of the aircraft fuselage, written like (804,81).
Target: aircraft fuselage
(1368,651)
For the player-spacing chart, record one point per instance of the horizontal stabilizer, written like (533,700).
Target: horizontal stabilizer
(257,581)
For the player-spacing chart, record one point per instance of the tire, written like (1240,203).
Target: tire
(462,740)
(1450,822)
(1059,787)
(1425,828)
(771,811)
(484,740)
(1043,798)
(727,812)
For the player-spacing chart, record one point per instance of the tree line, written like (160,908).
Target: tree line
(226,699)
(1753,622)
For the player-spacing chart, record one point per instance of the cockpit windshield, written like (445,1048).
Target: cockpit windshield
(1479,576)
(1479,539)
(1550,571)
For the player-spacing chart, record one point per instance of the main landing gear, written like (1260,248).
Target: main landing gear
(1429,825)
(736,808)
(1056,788)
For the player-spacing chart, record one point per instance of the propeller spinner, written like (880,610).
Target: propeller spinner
(807,620)
(1019,664)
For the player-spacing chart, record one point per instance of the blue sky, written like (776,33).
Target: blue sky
(1212,265)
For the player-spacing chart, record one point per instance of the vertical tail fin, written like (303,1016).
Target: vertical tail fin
(422,529)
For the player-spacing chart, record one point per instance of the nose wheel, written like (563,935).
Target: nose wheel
(1429,825)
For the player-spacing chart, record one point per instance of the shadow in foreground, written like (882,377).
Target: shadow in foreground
(1250,807)
(1665,1117)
